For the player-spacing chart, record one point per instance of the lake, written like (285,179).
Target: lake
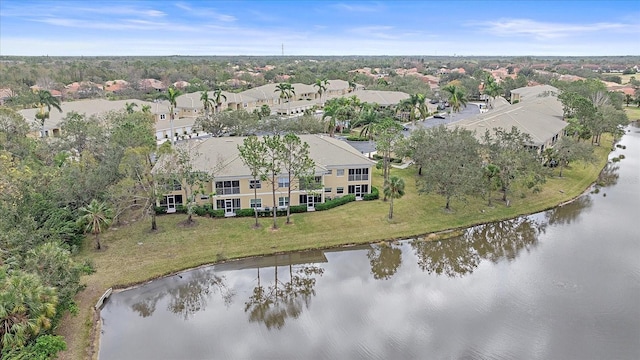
(561,284)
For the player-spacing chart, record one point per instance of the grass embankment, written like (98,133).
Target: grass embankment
(135,255)
(633,112)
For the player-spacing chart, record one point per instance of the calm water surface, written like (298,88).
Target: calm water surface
(563,284)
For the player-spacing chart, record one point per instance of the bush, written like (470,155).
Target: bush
(356,138)
(181,209)
(296,209)
(335,202)
(374,195)
(160,210)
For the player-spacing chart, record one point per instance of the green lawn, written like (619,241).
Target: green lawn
(133,254)
(633,112)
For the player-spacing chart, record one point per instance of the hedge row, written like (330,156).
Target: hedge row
(207,209)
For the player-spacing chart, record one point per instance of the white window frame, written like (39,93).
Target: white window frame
(283,201)
(340,190)
(340,172)
(283,181)
(255,203)
(255,184)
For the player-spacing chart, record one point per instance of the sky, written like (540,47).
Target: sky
(466,28)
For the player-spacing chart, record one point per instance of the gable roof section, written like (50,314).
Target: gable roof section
(220,155)
(542,118)
(530,92)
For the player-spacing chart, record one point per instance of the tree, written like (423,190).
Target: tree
(490,173)
(27,307)
(393,189)
(286,92)
(146,109)
(46,101)
(492,89)
(96,218)
(130,106)
(368,118)
(451,162)
(457,97)
(171,96)
(180,165)
(217,99)
(273,166)
(207,103)
(321,84)
(297,164)
(389,135)
(511,152)
(568,150)
(252,153)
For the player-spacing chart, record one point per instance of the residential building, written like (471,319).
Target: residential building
(539,114)
(340,170)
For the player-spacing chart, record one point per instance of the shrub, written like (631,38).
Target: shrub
(356,138)
(335,202)
(160,210)
(295,209)
(181,209)
(621,156)
(374,195)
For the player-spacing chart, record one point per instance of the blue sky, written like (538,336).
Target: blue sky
(161,27)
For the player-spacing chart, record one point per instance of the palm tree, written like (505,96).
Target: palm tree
(368,118)
(286,92)
(207,102)
(393,189)
(321,84)
(217,98)
(457,97)
(96,218)
(352,86)
(171,96)
(27,307)
(129,106)
(493,89)
(146,109)
(48,101)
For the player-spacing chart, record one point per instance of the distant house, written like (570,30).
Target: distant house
(340,170)
(531,92)
(5,94)
(151,85)
(115,86)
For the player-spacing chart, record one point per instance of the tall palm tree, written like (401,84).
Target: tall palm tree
(393,189)
(171,96)
(368,118)
(457,97)
(321,84)
(207,102)
(146,109)
(96,218)
(217,99)
(286,92)
(46,101)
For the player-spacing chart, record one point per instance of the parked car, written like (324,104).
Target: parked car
(439,116)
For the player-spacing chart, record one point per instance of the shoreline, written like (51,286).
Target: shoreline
(91,338)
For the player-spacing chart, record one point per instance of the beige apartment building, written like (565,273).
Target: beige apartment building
(340,170)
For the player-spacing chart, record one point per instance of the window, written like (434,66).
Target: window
(283,182)
(235,204)
(162,117)
(256,203)
(340,172)
(327,190)
(329,172)
(255,184)
(364,189)
(283,201)
(358,174)
(227,187)
(340,190)
(176,186)
(204,196)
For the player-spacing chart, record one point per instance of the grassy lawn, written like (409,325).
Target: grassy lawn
(133,254)
(633,112)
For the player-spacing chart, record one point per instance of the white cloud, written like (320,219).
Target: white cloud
(543,30)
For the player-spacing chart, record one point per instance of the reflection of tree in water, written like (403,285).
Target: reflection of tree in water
(385,260)
(451,257)
(609,175)
(460,256)
(190,297)
(273,304)
(505,239)
(568,213)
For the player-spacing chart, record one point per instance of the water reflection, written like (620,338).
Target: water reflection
(568,213)
(461,255)
(609,175)
(188,298)
(274,303)
(385,259)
